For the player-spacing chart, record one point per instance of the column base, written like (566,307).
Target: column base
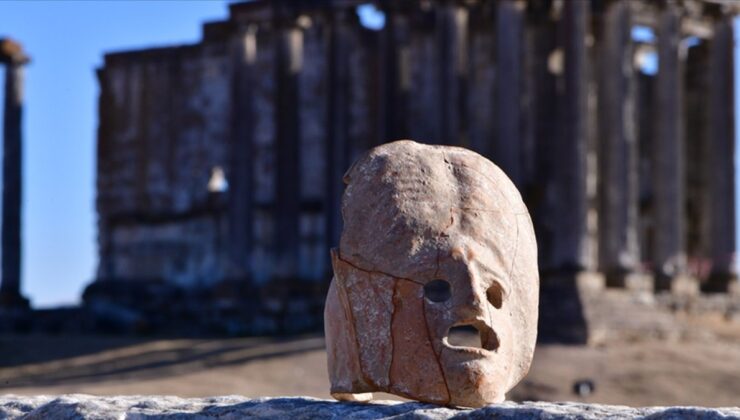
(734,288)
(583,280)
(681,284)
(630,280)
(719,283)
(561,310)
(11,300)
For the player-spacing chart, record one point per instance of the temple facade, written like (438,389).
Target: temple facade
(222,161)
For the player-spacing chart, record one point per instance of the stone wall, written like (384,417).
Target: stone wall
(233,407)
(164,129)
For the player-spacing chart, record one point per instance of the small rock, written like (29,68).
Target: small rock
(584,387)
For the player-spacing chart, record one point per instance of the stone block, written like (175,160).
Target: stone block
(234,407)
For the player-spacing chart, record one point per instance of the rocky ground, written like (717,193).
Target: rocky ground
(697,369)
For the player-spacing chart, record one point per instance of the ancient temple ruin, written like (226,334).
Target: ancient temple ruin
(221,162)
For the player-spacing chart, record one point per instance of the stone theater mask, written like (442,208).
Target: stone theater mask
(434,238)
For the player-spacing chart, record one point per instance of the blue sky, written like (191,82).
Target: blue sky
(66,41)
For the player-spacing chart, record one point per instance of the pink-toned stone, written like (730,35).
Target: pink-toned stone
(345,373)
(370,297)
(415,370)
(413,214)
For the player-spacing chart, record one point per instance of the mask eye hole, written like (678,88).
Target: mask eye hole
(495,295)
(437,290)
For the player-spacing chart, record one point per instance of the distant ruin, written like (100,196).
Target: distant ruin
(220,163)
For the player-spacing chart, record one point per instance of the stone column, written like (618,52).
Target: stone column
(11,54)
(452,39)
(289,45)
(668,198)
(560,191)
(721,151)
(540,118)
(537,104)
(618,245)
(393,96)
(337,150)
(506,150)
(240,178)
(696,158)
(569,250)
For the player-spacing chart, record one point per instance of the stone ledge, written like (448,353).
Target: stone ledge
(78,406)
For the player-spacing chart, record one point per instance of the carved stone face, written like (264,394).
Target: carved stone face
(435,237)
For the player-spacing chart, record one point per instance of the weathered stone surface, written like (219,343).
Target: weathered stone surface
(164,128)
(369,298)
(417,216)
(412,351)
(233,407)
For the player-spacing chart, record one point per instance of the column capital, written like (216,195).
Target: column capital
(11,52)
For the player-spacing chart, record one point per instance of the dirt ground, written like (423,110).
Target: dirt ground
(637,373)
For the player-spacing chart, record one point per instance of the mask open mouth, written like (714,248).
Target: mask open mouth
(469,336)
